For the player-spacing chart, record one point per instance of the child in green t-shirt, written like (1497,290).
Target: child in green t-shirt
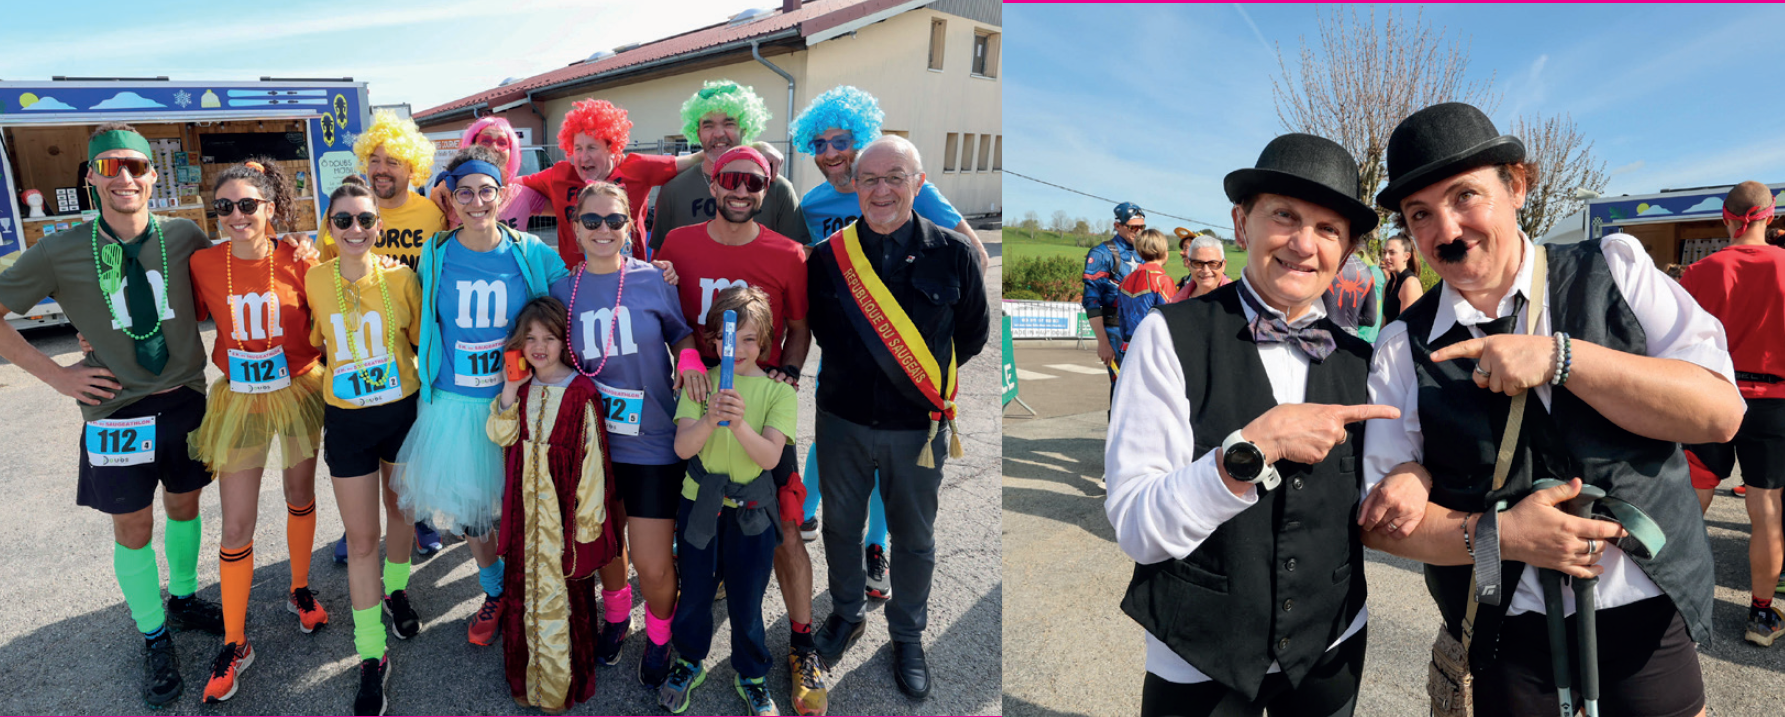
(728,524)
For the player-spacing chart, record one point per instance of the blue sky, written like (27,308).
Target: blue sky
(423,53)
(1155,104)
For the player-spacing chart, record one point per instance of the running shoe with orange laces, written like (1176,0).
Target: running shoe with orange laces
(486,623)
(310,613)
(226,671)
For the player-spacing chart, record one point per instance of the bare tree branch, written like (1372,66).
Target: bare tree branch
(1565,162)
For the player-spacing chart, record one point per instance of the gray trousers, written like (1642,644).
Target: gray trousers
(848,456)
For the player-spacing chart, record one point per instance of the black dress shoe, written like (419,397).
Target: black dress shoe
(835,637)
(910,670)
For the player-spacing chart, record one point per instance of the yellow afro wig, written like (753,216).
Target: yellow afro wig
(401,139)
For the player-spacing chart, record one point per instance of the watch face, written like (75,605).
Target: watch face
(1244,461)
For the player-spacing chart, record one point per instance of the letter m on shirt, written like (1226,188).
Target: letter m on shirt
(492,304)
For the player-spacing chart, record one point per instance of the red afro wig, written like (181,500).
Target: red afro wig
(599,119)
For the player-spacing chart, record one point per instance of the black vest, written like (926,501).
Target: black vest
(1462,425)
(1283,579)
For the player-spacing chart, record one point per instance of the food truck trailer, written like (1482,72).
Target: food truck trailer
(197,129)
(1676,226)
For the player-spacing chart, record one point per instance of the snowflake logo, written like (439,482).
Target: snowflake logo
(347,138)
(183,98)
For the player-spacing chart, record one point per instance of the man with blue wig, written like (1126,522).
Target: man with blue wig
(832,129)
(723,115)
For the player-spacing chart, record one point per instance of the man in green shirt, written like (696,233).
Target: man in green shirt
(723,115)
(123,282)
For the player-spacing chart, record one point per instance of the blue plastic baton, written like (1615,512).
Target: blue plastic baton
(726,350)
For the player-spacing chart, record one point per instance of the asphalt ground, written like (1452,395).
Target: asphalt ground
(1069,650)
(68,645)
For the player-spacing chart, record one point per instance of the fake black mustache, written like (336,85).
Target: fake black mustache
(1452,252)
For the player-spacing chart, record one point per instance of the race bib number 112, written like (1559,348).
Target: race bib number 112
(121,441)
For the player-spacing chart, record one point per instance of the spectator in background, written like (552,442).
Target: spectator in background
(723,115)
(1106,265)
(1403,265)
(1774,236)
(1351,301)
(1207,261)
(1147,286)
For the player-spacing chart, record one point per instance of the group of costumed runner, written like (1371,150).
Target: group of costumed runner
(447,366)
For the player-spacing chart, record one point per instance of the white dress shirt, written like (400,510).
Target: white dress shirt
(1676,328)
(1162,503)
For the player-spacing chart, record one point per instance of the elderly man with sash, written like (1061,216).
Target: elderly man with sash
(897,304)
(1541,388)
(1233,479)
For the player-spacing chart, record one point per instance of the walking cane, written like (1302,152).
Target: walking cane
(1585,610)
(1558,639)
(1551,580)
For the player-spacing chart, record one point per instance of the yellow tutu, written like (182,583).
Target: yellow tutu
(240,429)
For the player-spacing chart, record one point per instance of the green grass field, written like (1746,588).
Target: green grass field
(1024,243)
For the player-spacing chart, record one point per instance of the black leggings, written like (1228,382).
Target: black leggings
(1328,690)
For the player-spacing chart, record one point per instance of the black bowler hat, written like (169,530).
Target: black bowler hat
(1310,168)
(1442,141)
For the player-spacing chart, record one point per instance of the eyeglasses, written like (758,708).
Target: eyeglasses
(752,182)
(225,207)
(108,166)
(839,143)
(464,195)
(1135,227)
(496,142)
(1210,264)
(343,220)
(592,221)
(892,180)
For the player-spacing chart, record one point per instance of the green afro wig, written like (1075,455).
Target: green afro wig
(732,99)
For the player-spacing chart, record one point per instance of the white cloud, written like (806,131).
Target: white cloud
(126,101)
(46,104)
(1628,168)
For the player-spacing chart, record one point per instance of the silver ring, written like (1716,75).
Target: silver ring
(1592,546)
(1394,526)
(1484,374)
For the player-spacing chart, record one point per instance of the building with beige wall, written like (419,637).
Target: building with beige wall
(934,65)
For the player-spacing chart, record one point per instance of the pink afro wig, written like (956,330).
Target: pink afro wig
(599,119)
(501,125)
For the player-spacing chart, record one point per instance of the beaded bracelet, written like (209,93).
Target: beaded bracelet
(1567,360)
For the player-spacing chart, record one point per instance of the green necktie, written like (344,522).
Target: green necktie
(139,300)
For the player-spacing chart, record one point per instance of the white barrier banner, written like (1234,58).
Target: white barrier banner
(1043,319)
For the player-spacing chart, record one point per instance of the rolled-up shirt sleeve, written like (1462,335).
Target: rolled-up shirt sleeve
(1162,502)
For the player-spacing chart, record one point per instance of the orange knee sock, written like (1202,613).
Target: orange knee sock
(237,575)
(300,534)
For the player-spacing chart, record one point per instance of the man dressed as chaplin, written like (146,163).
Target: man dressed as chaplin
(1620,365)
(1232,460)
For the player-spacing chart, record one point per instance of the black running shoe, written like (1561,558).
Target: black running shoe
(193,613)
(613,640)
(373,676)
(161,671)
(404,623)
(879,586)
(809,529)
(654,665)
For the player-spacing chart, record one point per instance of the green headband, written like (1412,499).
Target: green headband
(118,139)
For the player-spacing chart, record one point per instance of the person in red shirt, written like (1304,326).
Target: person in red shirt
(1743,285)
(1145,287)
(271,393)
(730,250)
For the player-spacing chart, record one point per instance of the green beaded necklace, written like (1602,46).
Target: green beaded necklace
(108,264)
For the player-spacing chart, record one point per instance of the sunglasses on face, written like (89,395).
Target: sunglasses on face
(1135,227)
(592,221)
(225,207)
(751,182)
(343,220)
(108,166)
(1211,264)
(839,143)
(498,142)
(464,195)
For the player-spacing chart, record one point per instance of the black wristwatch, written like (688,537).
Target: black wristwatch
(1245,462)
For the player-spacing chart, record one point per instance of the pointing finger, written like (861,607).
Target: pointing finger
(1365,412)
(1466,349)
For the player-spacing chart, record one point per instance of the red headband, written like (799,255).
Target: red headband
(1757,214)
(746,153)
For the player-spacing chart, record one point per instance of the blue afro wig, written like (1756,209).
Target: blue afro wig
(842,107)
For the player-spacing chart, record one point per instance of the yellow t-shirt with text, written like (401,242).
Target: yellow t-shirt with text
(359,340)
(406,228)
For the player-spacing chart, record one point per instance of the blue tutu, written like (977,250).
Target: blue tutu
(449,471)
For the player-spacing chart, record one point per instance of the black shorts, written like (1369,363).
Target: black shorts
(130,486)
(651,491)
(1759,445)
(1328,690)
(355,440)
(1648,666)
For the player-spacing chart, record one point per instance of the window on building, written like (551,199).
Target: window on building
(985,53)
(985,152)
(998,155)
(967,155)
(675,145)
(949,150)
(938,39)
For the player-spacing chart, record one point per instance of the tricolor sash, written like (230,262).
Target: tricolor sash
(894,342)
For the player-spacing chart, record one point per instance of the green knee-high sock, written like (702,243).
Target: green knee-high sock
(396,577)
(368,633)
(180,544)
(140,579)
